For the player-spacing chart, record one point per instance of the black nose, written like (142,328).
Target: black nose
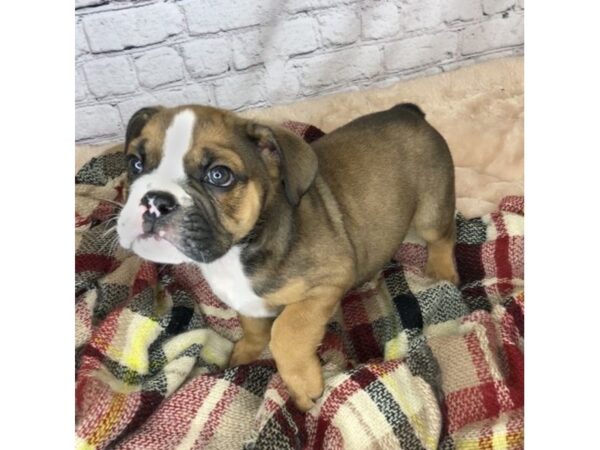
(159,203)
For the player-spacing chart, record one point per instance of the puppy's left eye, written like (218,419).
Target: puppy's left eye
(219,176)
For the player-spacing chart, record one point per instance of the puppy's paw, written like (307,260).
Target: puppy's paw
(244,352)
(445,271)
(304,383)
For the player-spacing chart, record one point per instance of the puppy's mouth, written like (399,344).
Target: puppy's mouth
(156,228)
(178,238)
(158,231)
(157,246)
(157,236)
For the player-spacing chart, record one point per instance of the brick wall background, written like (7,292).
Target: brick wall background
(238,54)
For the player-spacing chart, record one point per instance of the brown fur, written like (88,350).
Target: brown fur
(244,212)
(256,337)
(317,221)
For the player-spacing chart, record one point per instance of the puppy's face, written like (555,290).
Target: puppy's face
(200,178)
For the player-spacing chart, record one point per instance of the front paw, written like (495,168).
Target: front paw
(244,352)
(304,383)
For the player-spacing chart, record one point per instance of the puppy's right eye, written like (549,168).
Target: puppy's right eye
(136,165)
(220,176)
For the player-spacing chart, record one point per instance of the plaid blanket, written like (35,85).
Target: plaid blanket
(408,363)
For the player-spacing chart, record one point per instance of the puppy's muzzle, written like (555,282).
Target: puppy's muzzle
(159,205)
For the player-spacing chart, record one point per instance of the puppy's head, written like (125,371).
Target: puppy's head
(200,178)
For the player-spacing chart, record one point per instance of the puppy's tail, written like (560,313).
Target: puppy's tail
(410,107)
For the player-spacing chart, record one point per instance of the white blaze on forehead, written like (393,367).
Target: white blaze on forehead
(169,176)
(178,140)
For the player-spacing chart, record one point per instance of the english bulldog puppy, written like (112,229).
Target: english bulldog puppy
(281,229)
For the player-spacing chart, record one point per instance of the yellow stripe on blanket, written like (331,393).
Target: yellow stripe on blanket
(132,351)
(500,437)
(82,444)
(215,348)
(107,422)
(142,332)
(417,401)
(495,442)
(396,348)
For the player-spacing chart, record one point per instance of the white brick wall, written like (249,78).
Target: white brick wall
(380,20)
(134,27)
(246,53)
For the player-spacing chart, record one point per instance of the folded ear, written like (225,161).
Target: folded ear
(298,162)
(137,122)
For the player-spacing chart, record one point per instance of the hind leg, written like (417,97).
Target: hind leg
(440,257)
(435,224)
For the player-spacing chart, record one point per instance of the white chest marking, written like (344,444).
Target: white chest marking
(228,281)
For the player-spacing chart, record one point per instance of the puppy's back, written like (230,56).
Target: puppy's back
(378,166)
(393,146)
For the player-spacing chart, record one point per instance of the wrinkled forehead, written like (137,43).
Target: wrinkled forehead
(188,136)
